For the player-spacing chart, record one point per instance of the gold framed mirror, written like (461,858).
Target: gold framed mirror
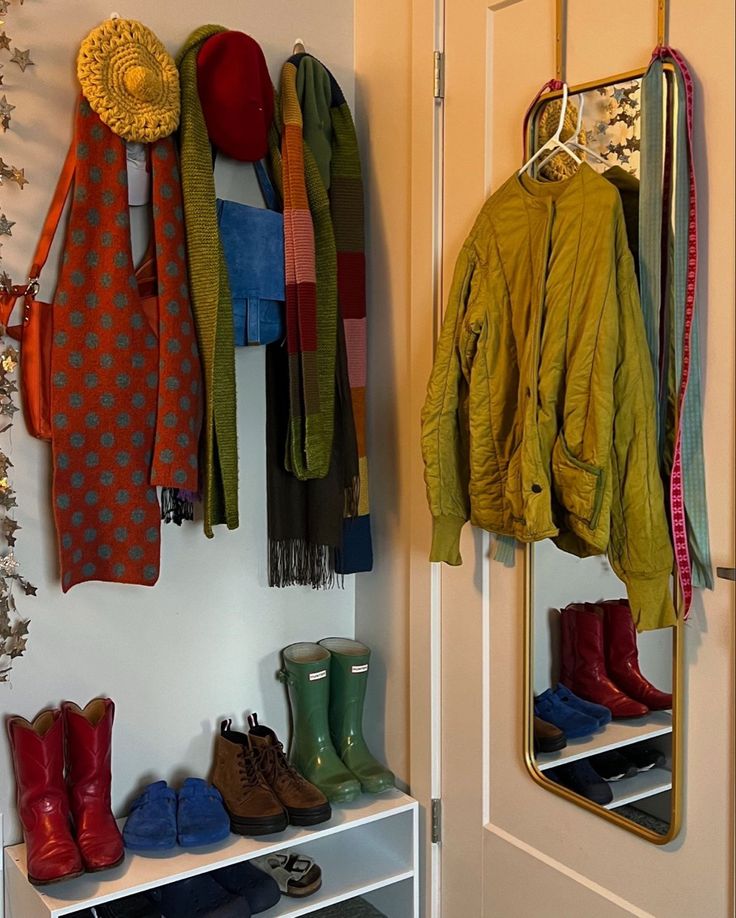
(638,757)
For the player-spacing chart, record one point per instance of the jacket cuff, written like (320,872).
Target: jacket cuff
(446,539)
(651,601)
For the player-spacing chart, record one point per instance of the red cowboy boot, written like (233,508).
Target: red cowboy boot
(622,657)
(582,629)
(43,805)
(567,647)
(88,750)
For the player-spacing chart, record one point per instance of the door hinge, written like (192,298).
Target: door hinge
(439,74)
(436,821)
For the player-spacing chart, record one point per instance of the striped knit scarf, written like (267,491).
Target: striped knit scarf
(311,295)
(330,136)
(211,301)
(328,148)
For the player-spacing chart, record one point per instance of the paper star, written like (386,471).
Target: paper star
(5,107)
(22,58)
(19,177)
(15,646)
(29,589)
(9,531)
(9,564)
(4,41)
(9,360)
(4,4)
(5,225)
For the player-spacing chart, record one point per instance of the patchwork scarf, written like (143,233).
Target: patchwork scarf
(311,295)
(211,299)
(330,135)
(305,518)
(125,378)
(315,533)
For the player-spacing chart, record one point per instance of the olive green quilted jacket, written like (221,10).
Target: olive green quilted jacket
(540,419)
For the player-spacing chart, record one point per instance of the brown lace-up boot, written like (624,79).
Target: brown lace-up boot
(305,804)
(251,804)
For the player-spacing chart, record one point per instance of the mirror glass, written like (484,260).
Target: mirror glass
(612,750)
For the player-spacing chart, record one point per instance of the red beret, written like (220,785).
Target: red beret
(236,94)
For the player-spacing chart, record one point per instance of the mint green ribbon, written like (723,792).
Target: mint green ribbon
(670,314)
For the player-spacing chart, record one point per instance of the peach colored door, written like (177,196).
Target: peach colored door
(509,848)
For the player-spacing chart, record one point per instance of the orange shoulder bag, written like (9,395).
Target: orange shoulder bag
(35,332)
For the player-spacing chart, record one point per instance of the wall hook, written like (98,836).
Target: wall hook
(299,47)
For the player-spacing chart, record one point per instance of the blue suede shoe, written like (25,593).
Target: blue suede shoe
(151,823)
(244,879)
(598,711)
(572,723)
(201,817)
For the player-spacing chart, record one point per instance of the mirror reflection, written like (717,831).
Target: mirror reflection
(602,726)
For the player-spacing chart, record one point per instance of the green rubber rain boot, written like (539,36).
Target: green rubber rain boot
(348,681)
(307,674)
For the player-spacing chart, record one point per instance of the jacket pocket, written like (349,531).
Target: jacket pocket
(578,485)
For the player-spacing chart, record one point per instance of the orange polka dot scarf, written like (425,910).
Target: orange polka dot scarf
(126,383)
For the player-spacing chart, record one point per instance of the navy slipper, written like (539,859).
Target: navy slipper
(244,879)
(198,896)
(581,778)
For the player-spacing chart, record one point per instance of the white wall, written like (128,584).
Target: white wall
(382,54)
(203,644)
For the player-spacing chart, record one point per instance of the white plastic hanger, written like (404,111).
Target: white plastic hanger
(554,143)
(573,142)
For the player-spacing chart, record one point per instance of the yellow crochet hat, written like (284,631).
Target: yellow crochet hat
(560,166)
(130,80)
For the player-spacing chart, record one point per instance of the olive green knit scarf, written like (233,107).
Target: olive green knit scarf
(210,292)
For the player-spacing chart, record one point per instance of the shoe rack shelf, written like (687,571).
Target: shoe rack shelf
(645,784)
(613,736)
(369,845)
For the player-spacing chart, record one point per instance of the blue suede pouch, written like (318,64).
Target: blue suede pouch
(253,242)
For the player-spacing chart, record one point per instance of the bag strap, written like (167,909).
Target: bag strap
(270,198)
(53,216)
(267,189)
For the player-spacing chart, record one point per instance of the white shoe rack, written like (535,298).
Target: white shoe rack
(368,848)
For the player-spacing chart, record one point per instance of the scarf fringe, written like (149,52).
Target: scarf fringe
(176,506)
(294,562)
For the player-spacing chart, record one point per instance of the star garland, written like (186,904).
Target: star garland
(9,173)
(13,628)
